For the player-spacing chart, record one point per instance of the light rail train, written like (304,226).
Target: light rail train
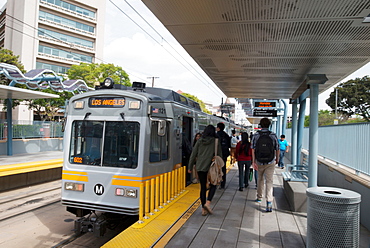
(117,137)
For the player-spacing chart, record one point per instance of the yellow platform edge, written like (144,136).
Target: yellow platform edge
(12,169)
(160,230)
(145,235)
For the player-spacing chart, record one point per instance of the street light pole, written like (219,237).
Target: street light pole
(152,80)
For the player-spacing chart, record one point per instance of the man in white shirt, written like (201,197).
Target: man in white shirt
(234,142)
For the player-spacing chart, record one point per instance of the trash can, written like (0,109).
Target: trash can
(333,217)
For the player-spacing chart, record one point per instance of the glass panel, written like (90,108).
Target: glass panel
(164,144)
(121,144)
(158,144)
(66,21)
(86,141)
(155,142)
(47,50)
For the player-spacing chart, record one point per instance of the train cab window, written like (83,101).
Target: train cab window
(86,142)
(159,142)
(121,144)
(110,144)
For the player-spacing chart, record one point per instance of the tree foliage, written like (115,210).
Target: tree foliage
(96,73)
(7,56)
(353,98)
(196,99)
(326,118)
(47,109)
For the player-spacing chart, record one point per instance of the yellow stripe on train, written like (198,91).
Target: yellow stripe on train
(126,183)
(75,176)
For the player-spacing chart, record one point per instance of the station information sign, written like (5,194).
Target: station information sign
(265,112)
(268,104)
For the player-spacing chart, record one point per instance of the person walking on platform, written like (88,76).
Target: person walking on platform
(244,157)
(195,173)
(203,153)
(284,147)
(225,145)
(234,142)
(265,155)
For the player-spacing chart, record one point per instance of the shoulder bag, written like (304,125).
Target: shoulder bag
(215,172)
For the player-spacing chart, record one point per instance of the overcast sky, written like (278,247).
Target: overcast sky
(148,50)
(127,45)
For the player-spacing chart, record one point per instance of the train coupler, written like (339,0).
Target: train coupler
(95,225)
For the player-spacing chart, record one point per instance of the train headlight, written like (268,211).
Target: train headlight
(134,105)
(132,193)
(78,104)
(74,186)
(107,83)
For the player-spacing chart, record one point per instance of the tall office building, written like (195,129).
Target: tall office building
(52,34)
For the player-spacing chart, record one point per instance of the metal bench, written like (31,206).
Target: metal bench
(296,173)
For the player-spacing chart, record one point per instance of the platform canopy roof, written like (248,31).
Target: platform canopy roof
(19,93)
(266,48)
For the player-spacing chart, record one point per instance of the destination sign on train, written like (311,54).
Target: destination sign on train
(106,102)
(264,104)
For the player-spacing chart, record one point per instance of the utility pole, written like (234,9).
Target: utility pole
(152,80)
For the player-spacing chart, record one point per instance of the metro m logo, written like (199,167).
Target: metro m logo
(99,189)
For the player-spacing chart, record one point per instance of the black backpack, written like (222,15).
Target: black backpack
(264,148)
(225,143)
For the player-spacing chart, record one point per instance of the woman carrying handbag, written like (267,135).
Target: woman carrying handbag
(244,158)
(203,152)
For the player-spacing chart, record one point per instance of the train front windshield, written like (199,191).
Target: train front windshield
(103,143)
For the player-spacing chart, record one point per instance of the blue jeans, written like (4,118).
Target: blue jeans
(255,176)
(281,159)
(243,173)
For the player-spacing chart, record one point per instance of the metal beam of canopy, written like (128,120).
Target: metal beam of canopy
(10,93)
(19,93)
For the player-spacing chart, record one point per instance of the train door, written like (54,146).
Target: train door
(187,124)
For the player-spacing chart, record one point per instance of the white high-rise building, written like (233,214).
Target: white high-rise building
(53,34)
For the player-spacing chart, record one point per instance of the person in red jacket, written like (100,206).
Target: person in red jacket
(243,155)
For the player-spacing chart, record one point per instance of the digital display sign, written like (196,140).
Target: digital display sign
(106,102)
(264,104)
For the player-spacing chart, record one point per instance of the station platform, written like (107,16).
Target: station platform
(237,221)
(30,157)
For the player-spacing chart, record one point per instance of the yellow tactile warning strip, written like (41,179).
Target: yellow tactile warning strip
(147,234)
(159,230)
(12,169)
(173,230)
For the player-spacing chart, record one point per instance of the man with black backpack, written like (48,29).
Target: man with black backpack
(265,154)
(225,140)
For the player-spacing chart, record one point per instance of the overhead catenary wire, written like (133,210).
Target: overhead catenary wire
(207,83)
(54,46)
(76,54)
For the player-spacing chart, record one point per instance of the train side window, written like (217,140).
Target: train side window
(159,141)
